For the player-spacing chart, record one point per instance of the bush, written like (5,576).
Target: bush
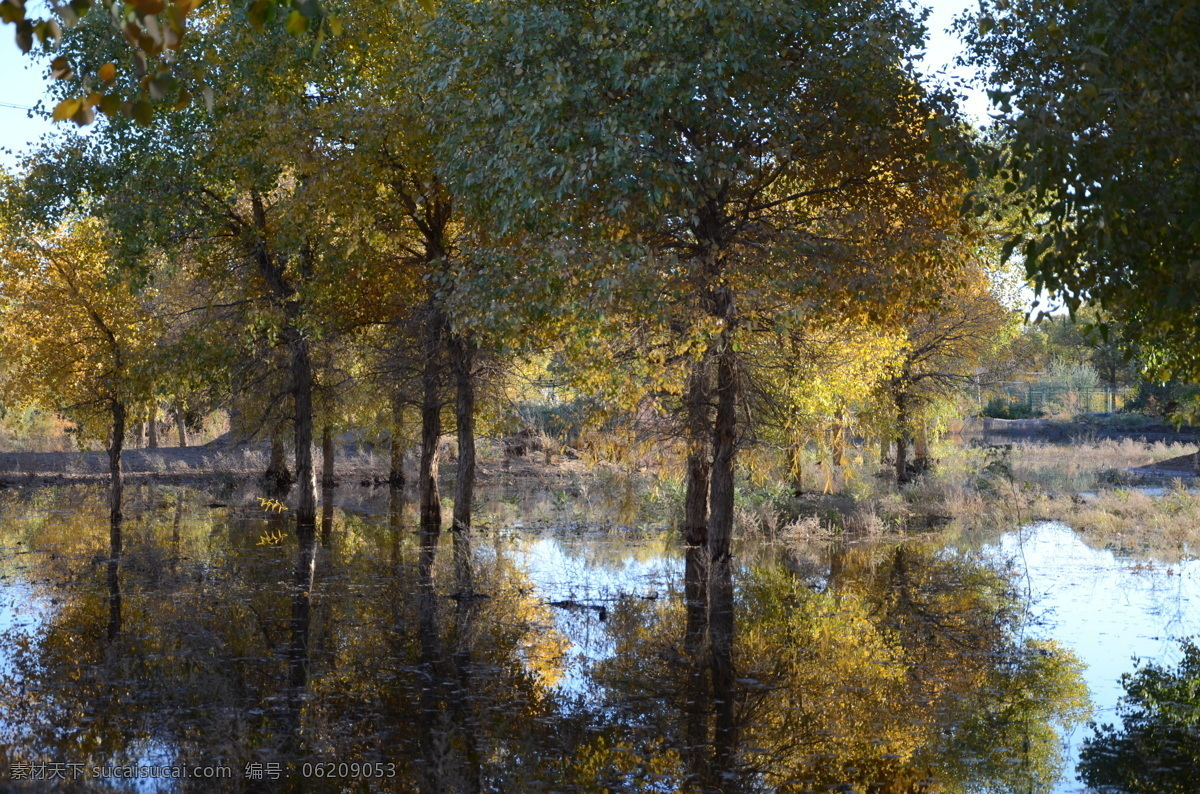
(1003,408)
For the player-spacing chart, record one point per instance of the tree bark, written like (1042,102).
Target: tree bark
(903,434)
(396,473)
(302,386)
(431,426)
(327,455)
(115,479)
(698,429)
(721,492)
(462,351)
(152,430)
(181,424)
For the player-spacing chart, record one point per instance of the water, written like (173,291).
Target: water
(552,659)
(1111,610)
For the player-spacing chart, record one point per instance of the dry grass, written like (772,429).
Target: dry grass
(1086,485)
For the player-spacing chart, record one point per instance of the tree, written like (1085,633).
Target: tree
(77,333)
(1156,748)
(944,346)
(250,189)
(1097,108)
(754,158)
(154,32)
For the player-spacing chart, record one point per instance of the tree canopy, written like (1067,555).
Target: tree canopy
(1099,118)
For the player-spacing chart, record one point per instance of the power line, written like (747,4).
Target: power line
(14,107)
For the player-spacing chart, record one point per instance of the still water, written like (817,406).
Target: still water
(219,653)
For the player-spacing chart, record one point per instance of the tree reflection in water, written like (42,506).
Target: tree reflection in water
(887,668)
(1156,749)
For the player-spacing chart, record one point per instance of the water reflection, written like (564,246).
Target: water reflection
(498,661)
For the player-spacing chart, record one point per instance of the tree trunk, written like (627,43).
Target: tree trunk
(152,430)
(721,494)
(431,427)
(885,448)
(277,474)
(327,454)
(114,467)
(181,424)
(463,352)
(302,385)
(698,430)
(901,459)
(903,434)
(396,473)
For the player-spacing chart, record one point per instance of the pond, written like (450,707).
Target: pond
(545,655)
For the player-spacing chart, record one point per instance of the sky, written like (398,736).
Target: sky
(25,82)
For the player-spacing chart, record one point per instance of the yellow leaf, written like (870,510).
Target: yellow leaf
(107,72)
(66,109)
(296,22)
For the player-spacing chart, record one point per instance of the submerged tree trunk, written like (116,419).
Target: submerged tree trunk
(463,355)
(327,454)
(115,480)
(181,424)
(297,654)
(396,472)
(115,517)
(698,429)
(724,678)
(302,386)
(431,426)
(721,493)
